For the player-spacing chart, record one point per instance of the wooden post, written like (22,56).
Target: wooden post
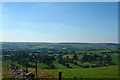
(60,75)
(26,67)
(35,56)
(36,67)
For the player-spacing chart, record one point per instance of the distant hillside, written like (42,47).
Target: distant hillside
(56,46)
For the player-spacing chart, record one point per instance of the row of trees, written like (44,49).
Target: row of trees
(25,57)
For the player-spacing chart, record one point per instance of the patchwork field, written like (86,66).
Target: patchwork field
(45,60)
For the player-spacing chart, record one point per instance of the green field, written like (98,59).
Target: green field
(100,72)
(75,60)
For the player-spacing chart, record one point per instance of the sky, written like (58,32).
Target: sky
(88,22)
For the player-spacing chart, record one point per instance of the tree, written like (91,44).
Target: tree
(75,56)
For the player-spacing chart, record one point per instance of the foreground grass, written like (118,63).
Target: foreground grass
(100,72)
(0,69)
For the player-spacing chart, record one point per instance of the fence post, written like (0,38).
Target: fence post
(60,75)
(36,67)
(26,68)
(35,57)
(26,65)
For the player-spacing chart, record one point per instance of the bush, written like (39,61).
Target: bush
(85,66)
(51,66)
(75,63)
(94,65)
(67,65)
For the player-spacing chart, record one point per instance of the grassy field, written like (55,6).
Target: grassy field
(100,72)
(60,66)
(76,71)
(0,69)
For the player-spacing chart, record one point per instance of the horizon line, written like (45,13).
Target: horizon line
(59,42)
